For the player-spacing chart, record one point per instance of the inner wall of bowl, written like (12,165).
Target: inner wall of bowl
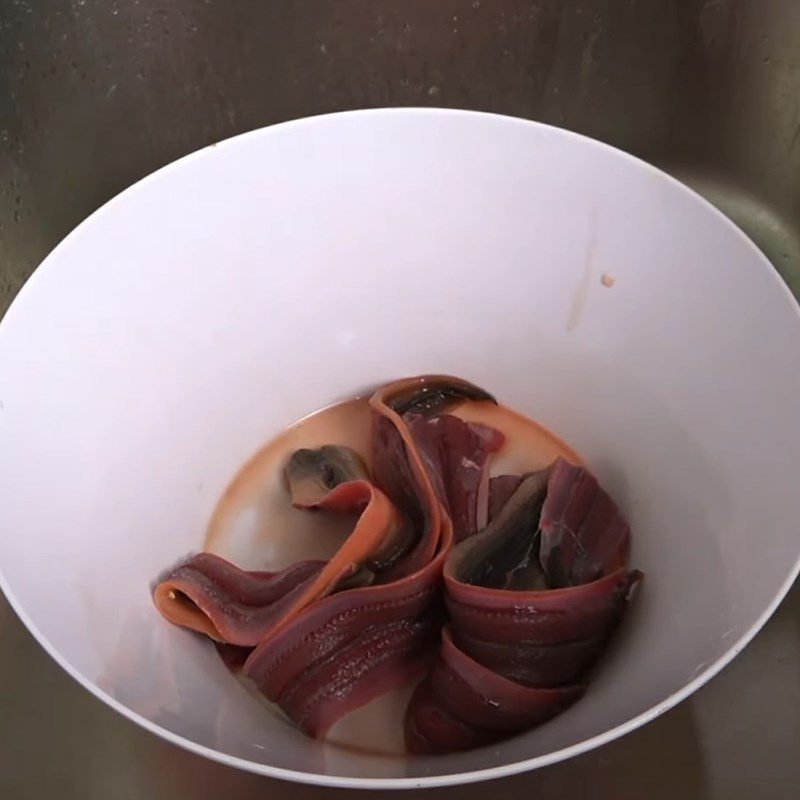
(239,290)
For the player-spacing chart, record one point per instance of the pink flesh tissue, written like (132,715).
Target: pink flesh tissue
(496,595)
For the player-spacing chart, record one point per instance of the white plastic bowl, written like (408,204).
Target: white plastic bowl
(202,310)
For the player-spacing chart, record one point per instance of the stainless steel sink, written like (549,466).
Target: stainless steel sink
(95,94)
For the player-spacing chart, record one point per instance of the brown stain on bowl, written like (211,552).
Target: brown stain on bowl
(581,293)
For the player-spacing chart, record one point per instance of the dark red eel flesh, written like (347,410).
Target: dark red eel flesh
(496,595)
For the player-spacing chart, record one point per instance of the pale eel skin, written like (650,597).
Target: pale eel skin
(496,595)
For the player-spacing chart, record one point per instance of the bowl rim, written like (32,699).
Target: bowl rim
(432,781)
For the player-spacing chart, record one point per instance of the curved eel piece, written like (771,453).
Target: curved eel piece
(463,705)
(355,645)
(532,600)
(212,596)
(532,567)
